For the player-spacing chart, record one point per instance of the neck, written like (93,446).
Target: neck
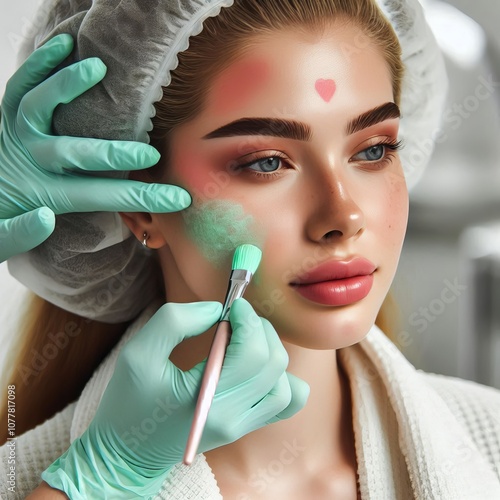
(320,434)
(317,439)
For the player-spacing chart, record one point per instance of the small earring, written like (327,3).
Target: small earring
(145,239)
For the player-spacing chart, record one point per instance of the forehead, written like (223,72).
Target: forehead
(287,69)
(240,82)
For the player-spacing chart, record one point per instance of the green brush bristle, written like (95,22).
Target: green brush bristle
(247,257)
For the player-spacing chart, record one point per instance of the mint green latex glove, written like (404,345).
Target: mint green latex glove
(142,424)
(41,174)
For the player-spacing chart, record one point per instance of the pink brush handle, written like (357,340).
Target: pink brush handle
(207,390)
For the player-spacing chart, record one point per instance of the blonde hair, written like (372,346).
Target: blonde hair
(55,356)
(48,376)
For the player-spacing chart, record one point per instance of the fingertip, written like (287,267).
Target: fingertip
(167,198)
(184,198)
(151,155)
(64,39)
(134,155)
(244,319)
(300,394)
(216,306)
(239,307)
(207,308)
(56,49)
(44,59)
(94,66)
(306,391)
(300,387)
(30,229)
(98,64)
(47,217)
(210,307)
(240,301)
(186,319)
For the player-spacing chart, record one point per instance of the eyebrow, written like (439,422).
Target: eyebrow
(376,115)
(291,129)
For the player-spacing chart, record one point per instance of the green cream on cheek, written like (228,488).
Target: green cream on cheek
(218,227)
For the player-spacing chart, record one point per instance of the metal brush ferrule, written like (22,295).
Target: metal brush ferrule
(238,281)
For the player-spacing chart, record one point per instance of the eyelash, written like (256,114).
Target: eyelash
(391,145)
(262,175)
(391,148)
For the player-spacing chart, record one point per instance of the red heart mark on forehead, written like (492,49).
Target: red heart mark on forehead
(325,88)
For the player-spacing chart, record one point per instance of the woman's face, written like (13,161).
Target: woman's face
(320,192)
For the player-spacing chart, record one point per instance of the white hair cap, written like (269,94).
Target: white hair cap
(91,265)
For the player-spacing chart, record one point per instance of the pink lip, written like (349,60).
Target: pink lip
(337,283)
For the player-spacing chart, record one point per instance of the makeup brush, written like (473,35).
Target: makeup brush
(246,260)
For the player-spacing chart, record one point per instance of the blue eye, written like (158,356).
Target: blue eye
(269,164)
(373,153)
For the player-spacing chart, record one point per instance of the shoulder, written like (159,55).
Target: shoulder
(476,407)
(27,456)
(464,393)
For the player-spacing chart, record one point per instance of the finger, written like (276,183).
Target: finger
(38,65)
(24,232)
(273,403)
(91,194)
(300,393)
(255,347)
(171,324)
(243,415)
(144,360)
(38,105)
(61,154)
(248,350)
(245,354)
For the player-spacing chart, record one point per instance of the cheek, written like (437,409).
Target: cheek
(191,171)
(397,216)
(392,217)
(217,227)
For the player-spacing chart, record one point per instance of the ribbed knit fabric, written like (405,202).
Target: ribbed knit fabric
(35,451)
(417,435)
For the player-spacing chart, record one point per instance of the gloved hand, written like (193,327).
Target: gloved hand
(39,173)
(142,424)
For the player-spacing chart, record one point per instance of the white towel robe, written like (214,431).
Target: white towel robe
(417,435)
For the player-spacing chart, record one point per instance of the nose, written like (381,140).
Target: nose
(336,214)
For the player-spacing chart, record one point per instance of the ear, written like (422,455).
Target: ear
(140,223)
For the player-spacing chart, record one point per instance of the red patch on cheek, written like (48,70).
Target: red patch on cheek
(190,171)
(238,85)
(325,88)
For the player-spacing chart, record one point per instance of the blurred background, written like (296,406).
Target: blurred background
(448,284)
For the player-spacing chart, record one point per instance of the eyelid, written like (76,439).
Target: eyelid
(390,143)
(391,148)
(260,155)
(375,139)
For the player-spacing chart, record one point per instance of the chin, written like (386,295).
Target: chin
(326,329)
